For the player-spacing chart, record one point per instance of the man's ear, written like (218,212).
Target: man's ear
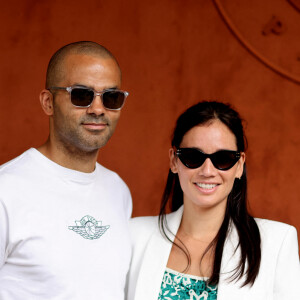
(46,99)
(173,161)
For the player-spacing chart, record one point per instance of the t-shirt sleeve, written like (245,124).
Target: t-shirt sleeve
(3,233)
(128,205)
(287,277)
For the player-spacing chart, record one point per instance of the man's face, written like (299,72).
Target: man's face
(84,129)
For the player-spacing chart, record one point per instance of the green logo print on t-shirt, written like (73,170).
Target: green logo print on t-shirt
(89,228)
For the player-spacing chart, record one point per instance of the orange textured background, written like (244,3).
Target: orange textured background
(173,53)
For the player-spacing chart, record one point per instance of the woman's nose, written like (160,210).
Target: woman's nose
(207,169)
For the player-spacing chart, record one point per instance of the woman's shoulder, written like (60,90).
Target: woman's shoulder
(143,227)
(266,225)
(142,230)
(275,231)
(151,223)
(143,223)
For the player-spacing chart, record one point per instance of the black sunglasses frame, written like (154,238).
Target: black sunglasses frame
(213,158)
(70,89)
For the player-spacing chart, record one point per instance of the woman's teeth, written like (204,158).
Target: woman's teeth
(207,186)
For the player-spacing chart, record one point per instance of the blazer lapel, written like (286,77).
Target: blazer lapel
(155,260)
(157,254)
(227,289)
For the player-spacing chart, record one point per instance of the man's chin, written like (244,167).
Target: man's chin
(94,146)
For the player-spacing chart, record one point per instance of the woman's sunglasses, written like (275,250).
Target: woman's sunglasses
(112,99)
(194,158)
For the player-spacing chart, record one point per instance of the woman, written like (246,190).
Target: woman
(210,247)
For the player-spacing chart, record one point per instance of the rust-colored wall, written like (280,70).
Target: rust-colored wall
(173,53)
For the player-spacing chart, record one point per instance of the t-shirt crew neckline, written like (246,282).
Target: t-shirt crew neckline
(60,170)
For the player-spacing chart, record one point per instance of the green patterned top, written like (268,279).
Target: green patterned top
(179,286)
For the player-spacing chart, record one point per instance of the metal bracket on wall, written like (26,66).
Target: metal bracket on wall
(279,70)
(274,26)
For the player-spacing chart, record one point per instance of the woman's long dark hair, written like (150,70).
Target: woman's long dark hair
(236,209)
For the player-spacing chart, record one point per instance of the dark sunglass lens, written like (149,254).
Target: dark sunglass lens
(113,99)
(224,160)
(191,158)
(82,97)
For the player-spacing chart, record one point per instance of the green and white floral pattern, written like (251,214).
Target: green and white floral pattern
(179,286)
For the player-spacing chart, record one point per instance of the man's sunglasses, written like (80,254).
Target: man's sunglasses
(112,99)
(194,158)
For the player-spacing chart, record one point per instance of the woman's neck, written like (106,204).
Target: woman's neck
(201,223)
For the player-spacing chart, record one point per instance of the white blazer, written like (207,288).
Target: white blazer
(278,278)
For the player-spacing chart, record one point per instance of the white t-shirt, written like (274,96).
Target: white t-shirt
(63,233)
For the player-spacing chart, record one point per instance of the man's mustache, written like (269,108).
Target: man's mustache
(95,120)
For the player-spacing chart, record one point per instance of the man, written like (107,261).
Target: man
(63,216)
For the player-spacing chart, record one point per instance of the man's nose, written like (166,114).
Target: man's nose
(96,106)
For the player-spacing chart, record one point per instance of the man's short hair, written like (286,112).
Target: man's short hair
(55,67)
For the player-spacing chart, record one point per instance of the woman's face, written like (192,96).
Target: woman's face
(207,187)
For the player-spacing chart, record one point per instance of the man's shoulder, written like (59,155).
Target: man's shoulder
(106,171)
(109,175)
(16,164)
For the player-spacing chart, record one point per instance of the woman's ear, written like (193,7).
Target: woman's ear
(46,100)
(240,168)
(173,161)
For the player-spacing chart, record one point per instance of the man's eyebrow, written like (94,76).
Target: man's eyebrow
(112,88)
(90,87)
(81,85)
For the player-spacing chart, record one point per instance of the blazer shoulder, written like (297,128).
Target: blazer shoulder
(143,221)
(275,233)
(143,227)
(266,226)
